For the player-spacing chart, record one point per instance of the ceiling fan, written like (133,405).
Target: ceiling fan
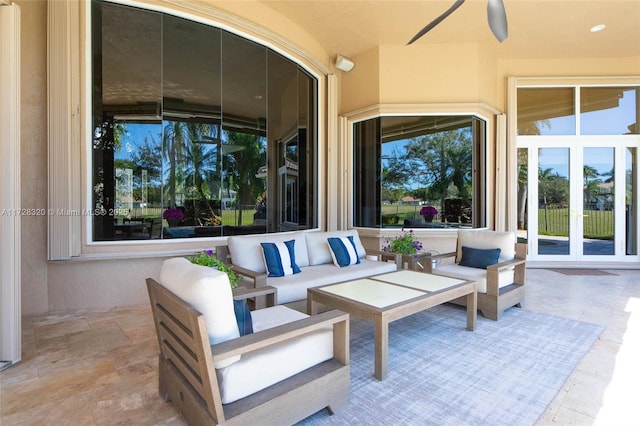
(496,15)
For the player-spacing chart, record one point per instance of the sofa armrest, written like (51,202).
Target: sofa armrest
(246,293)
(284,332)
(259,278)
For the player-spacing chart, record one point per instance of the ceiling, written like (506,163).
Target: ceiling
(537,28)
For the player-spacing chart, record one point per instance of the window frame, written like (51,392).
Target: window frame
(69,187)
(478,110)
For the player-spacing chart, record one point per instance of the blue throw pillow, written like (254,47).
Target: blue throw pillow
(243,317)
(280,258)
(343,251)
(479,258)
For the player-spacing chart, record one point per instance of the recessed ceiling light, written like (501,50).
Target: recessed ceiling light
(597,28)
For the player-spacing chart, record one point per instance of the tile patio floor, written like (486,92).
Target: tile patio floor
(100,368)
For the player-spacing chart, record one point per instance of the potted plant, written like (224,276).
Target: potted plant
(209,259)
(428,212)
(405,244)
(403,249)
(173,215)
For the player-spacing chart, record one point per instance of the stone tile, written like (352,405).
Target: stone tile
(56,329)
(65,412)
(601,359)
(145,351)
(99,368)
(103,338)
(142,333)
(55,344)
(586,394)
(56,387)
(566,417)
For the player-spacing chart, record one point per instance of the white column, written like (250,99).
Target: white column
(10,343)
(332,160)
(63,57)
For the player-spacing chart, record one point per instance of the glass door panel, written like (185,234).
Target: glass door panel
(598,207)
(631,234)
(553,201)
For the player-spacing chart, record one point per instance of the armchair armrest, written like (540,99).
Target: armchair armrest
(428,259)
(284,332)
(246,293)
(506,264)
(493,272)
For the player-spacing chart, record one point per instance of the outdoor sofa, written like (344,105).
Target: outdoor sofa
(313,256)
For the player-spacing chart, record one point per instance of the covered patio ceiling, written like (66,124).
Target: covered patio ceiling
(537,28)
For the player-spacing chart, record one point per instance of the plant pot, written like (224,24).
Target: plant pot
(428,218)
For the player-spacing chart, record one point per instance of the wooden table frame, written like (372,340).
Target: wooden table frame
(381,317)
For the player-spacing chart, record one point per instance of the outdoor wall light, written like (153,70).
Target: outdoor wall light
(344,64)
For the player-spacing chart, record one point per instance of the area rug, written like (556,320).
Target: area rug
(586,272)
(504,373)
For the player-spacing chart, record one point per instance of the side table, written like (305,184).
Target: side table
(412,262)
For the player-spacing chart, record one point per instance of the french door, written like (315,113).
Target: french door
(578,199)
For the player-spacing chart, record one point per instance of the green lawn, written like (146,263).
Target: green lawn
(393,214)
(229,217)
(597,224)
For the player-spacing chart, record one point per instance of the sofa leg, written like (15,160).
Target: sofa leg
(491,314)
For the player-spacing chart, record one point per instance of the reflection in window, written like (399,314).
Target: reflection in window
(419,172)
(523,192)
(553,201)
(632,236)
(598,195)
(547,111)
(189,142)
(609,110)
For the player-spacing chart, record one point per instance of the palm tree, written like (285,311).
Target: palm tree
(523,187)
(240,168)
(174,143)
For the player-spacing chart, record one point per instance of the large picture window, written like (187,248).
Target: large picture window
(198,132)
(420,172)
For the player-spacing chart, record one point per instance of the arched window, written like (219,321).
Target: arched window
(197,132)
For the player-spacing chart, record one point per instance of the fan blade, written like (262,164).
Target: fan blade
(436,21)
(497,17)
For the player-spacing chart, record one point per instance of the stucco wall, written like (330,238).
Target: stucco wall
(34,154)
(388,74)
(99,284)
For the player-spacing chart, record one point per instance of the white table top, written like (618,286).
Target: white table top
(372,292)
(419,280)
(388,289)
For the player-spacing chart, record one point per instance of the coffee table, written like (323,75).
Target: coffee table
(384,298)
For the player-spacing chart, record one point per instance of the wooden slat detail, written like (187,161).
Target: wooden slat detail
(184,341)
(182,355)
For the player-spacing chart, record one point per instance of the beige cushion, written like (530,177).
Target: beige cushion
(487,239)
(260,369)
(246,252)
(207,290)
(478,275)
